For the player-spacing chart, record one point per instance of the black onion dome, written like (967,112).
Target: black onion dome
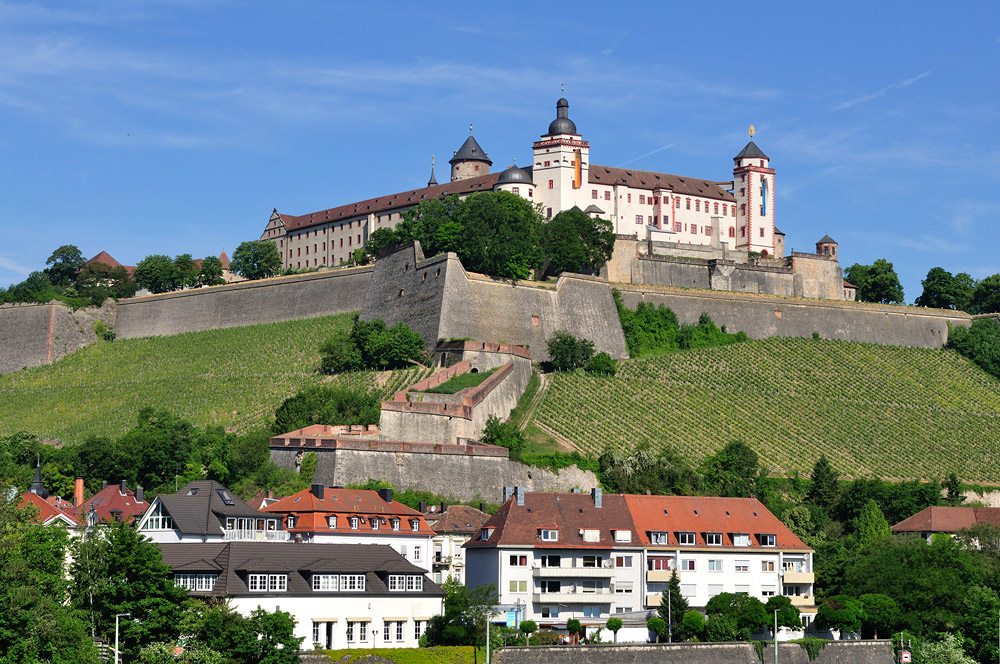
(562,124)
(515,175)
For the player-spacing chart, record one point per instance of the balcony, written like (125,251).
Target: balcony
(798,577)
(653,601)
(660,575)
(573,598)
(442,560)
(573,572)
(238,535)
(802,600)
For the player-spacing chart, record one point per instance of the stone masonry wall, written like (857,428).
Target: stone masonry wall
(762,316)
(835,652)
(244,303)
(35,334)
(463,477)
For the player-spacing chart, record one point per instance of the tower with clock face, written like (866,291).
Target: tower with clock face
(753,187)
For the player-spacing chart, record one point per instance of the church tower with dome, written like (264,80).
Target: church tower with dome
(561,164)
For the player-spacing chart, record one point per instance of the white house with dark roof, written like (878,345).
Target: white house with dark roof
(340,595)
(453,526)
(206,511)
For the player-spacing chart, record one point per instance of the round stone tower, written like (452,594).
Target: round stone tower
(827,246)
(470,160)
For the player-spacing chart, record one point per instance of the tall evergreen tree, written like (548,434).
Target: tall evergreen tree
(825,484)
(673,606)
(871,526)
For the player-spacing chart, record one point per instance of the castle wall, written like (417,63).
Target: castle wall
(817,276)
(762,316)
(458,476)
(35,334)
(244,303)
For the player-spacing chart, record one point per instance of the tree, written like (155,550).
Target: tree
(614,624)
(656,625)
(576,242)
(99,281)
(371,345)
(944,291)
(504,434)
(880,614)
(210,273)
(500,234)
(566,352)
(379,238)
(256,259)
(953,490)
(947,650)
(825,484)
(841,612)
(986,298)
(63,264)
(575,630)
(601,365)
(163,653)
(463,622)
(788,615)
(528,627)
(980,343)
(747,612)
(870,526)
(186,271)
(980,629)
(117,570)
(694,624)
(156,273)
(658,470)
(877,282)
(673,606)
(330,405)
(734,471)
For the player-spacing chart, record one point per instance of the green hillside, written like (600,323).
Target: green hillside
(873,410)
(234,378)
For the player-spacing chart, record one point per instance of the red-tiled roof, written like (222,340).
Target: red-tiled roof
(311,512)
(111,499)
(947,519)
(569,513)
(108,259)
(460,519)
(47,512)
(612,175)
(701,515)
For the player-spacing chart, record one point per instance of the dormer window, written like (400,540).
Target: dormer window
(741,539)
(688,539)
(659,539)
(395,524)
(767,539)
(591,535)
(355,522)
(485,534)
(331,521)
(415,525)
(375,522)
(291,521)
(623,535)
(548,535)
(713,539)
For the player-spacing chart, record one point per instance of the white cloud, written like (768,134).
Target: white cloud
(12,266)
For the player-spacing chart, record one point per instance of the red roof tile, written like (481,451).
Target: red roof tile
(110,499)
(612,175)
(460,519)
(47,512)
(311,512)
(947,519)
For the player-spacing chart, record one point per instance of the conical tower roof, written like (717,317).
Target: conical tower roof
(470,151)
(750,151)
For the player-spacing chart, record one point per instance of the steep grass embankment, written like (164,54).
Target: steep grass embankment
(234,377)
(905,413)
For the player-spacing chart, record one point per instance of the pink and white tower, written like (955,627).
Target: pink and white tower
(753,187)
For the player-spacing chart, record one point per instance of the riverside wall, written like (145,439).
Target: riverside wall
(834,652)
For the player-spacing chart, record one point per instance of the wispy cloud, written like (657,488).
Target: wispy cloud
(11,265)
(875,95)
(665,147)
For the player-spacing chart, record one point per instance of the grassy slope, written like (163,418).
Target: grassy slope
(234,378)
(874,410)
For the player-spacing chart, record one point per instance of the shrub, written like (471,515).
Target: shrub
(370,345)
(327,405)
(601,365)
(567,353)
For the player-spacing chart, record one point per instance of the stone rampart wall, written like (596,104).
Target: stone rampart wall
(462,477)
(244,303)
(835,652)
(35,334)
(762,316)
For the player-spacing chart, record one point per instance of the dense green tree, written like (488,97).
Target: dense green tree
(694,624)
(986,298)
(880,614)
(870,526)
(256,259)
(825,487)
(877,282)
(614,624)
(748,611)
(370,345)
(210,273)
(500,235)
(705,333)
(575,242)
(721,627)
(504,434)
(980,343)
(734,471)
(185,271)
(898,500)
(194,653)
(656,625)
(788,615)
(528,627)
(567,352)
(463,622)
(647,329)
(948,649)
(982,608)
(601,364)
(944,291)
(841,612)
(36,288)
(658,470)
(156,273)
(117,570)
(379,238)
(99,281)
(63,264)
(953,490)
(331,405)
(673,606)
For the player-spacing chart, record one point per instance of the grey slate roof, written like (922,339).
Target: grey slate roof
(562,124)
(234,560)
(826,239)
(751,150)
(199,509)
(593,209)
(470,151)
(515,175)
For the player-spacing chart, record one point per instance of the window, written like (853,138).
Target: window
(694,229)
(516,190)
(550,611)
(159,519)
(418,628)
(732,209)
(259,583)
(549,535)
(742,590)
(732,231)
(331,521)
(762,231)
(399,630)
(591,612)
(715,565)
(397,582)
(642,199)
(414,582)
(550,184)
(660,564)
(623,561)
(554,587)
(518,586)
(591,535)
(741,539)
(697,206)
(629,198)
(607,195)
(659,538)
(386,630)
(708,230)
(623,587)
(767,566)
(685,538)
(687,565)
(415,525)
(716,208)
(354,521)
(352,582)
(362,632)
(325,582)
(677,227)
(374,521)
(551,561)
(593,561)
(394,523)
(518,561)
(196,582)
(593,194)
(743,210)
(638,218)
(350,631)
(742,565)
(548,163)
(767,539)
(416,553)
(767,591)
(291,521)
(689,589)
(791,591)
(623,535)
(590,586)
(713,539)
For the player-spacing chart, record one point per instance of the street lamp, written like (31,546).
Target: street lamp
(117,616)
(776,636)
(670,618)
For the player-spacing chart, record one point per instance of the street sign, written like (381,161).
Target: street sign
(512,619)
(905,658)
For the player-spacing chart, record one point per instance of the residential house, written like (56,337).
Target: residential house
(114,502)
(947,520)
(453,526)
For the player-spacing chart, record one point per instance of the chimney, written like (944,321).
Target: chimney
(598,497)
(482,507)
(508,491)
(422,507)
(444,506)
(385,494)
(138,494)
(318,490)
(123,488)
(270,493)
(104,485)
(519,493)
(78,492)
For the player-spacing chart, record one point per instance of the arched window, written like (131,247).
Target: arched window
(732,231)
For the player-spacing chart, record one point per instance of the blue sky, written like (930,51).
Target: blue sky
(175,127)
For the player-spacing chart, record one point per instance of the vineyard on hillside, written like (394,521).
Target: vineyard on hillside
(234,378)
(873,410)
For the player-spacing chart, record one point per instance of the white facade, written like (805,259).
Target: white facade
(416,548)
(448,557)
